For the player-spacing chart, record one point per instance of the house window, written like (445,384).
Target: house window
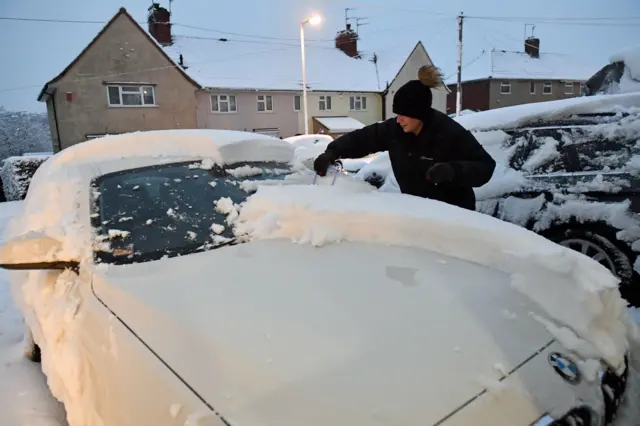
(296,103)
(131,96)
(547,88)
(358,103)
(532,88)
(223,103)
(265,103)
(505,88)
(324,103)
(568,88)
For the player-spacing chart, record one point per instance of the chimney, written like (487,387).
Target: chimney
(159,20)
(347,41)
(532,47)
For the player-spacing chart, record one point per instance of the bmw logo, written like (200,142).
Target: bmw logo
(565,367)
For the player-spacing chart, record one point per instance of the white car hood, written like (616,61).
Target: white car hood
(276,333)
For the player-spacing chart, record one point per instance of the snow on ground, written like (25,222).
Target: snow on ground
(25,399)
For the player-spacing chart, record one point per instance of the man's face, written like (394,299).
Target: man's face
(408,124)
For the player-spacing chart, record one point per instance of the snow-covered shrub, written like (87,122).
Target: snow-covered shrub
(22,132)
(16,174)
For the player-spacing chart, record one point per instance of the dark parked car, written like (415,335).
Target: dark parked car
(568,175)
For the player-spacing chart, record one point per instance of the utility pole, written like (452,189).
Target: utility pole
(459,88)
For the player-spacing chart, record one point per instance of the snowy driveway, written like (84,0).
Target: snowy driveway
(25,399)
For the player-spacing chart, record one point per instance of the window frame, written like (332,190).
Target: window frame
(299,99)
(140,86)
(532,87)
(545,85)
(566,86)
(265,101)
(228,101)
(324,103)
(503,85)
(352,102)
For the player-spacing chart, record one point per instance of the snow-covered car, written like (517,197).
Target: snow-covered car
(620,75)
(567,170)
(160,290)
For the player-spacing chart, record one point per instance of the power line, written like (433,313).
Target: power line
(61,21)
(96,77)
(226,40)
(539,18)
(624,22)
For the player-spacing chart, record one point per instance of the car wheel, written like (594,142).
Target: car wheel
(31,348)
(604,249)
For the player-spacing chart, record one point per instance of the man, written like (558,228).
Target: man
(432,156)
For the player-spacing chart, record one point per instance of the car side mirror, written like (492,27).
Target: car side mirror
(35,251)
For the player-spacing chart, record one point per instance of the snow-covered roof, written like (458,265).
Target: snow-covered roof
(339,124)
(244,65)
(503,64)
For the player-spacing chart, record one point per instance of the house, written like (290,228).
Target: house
(398,67)
(501,78)
(122,81)
(257,86)
(130,78)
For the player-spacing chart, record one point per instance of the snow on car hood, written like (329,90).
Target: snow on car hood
(585,299)
(514,116)
(262,327)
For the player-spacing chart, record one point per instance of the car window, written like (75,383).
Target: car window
(175,209)
(571,148)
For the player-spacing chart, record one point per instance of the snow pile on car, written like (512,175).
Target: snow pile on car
(56,202)
(630,80)
(530,114)
(579,295)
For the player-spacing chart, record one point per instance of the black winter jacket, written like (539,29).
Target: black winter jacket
(442,140)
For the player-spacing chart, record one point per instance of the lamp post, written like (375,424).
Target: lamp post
(313,20)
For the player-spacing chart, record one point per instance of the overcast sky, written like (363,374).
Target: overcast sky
(34,52)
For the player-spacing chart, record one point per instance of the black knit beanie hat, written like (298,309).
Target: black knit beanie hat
(414,98)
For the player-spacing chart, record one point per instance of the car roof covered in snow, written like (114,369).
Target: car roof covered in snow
(520,115)
(222,146)
(62,182)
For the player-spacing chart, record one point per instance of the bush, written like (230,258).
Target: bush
(16,174)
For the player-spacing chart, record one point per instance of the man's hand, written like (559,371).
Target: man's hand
(322,163)
(440,173)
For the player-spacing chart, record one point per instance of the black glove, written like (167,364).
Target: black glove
(322,162)
(440,173)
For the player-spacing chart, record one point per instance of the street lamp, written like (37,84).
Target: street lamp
(313,20)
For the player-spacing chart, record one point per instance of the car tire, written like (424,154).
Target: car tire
(601,244)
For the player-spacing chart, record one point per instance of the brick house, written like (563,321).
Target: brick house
(503,78)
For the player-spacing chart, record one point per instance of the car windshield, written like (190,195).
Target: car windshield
(170,210)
